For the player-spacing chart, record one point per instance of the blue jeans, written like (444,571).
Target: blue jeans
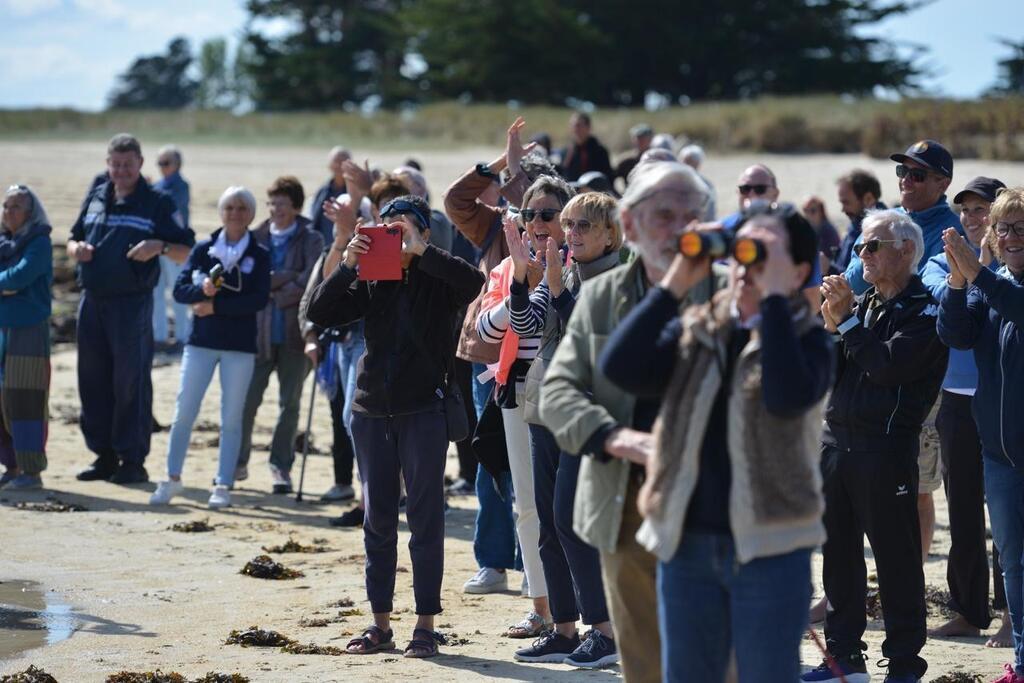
(169,271)
(1004,491)
(494,538)
(709,603)
(348,361)
(197,366)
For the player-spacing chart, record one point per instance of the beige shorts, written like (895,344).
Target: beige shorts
(929,467)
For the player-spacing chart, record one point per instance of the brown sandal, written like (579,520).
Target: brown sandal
(372,640)
(425,645)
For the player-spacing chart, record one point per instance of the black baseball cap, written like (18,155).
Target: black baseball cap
(986,188)
(930,154)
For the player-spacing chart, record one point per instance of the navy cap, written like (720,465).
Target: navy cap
(986,188)
(930,154)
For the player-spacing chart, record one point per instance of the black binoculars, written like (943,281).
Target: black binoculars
(719,244)
(217,275)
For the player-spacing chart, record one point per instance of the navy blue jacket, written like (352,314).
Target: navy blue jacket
(245,292)
(113,227)
(988,317)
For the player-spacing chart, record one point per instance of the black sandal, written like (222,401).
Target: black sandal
(385,640)
(425,645)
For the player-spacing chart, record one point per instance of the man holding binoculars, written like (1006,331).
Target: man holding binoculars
(732,498)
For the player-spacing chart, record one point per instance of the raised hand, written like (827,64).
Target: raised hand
(357,246)
(342,213)
(514,150)
(357,180)
(958,251)
(518,247)
(838,297)
(553,268)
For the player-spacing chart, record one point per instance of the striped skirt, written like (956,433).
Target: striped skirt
(24,396)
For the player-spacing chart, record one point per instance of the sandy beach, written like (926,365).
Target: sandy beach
(143,597)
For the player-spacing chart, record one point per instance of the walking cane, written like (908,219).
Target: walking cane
(305,440)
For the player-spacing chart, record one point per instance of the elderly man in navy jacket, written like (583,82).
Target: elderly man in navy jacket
(123,227)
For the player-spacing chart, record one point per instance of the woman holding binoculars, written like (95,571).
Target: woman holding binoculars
(227,281)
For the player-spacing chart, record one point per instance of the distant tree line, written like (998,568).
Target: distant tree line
(393,52)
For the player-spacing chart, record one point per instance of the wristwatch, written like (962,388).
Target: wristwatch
(485,171)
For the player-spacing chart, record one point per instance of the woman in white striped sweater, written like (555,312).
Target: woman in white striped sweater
(541,213)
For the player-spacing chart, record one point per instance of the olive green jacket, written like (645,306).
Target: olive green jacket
(577,399)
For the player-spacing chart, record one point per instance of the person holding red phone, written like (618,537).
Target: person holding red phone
(398,424)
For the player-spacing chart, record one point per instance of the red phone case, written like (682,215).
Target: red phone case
(384,259)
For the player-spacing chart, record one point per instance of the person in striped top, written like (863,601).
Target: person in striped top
(541,213)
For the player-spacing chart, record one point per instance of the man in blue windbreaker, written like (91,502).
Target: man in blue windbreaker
(123,227)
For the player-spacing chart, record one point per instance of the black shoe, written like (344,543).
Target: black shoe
(352,518)
(101,470)
(595,651)
(130,474)
(550,648)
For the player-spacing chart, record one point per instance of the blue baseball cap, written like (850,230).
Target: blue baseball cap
(930,154)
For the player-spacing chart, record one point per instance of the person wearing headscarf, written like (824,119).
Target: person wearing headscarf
(26,274)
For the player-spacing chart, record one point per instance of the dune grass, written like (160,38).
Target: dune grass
(992,129)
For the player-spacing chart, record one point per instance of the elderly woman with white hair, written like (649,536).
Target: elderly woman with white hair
(226,280)
(26,273)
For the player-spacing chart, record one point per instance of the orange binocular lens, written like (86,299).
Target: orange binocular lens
(747,251)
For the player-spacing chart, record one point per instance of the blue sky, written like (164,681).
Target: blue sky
(68,52)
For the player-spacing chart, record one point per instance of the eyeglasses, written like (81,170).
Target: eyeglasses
(756,189)
(918,175)
(398,207)
(871,246)
(1003,229)
(582,226)
(546,215)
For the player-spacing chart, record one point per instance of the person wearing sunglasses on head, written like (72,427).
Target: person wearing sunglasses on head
(890,367)
(960,448)
(983,311)
(169,161)
(398,425)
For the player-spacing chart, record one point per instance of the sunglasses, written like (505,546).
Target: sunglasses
(1003,229)
(756,189)
(163,163)
(918,175)
(546,215)
(871,246)
(398,207)
(582,226)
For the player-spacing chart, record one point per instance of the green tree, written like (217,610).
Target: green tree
(1011,70)
(338,52)
(157,81)
(215,83)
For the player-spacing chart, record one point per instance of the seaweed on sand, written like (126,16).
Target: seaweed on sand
(196,526)
(263,567)
(51,505)
(254,636)
(293,546)
(32,674)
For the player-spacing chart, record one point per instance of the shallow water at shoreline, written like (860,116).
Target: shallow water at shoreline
(31,617)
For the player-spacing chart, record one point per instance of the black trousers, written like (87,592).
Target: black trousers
(467,458)
(874,494)
(964,483)
(414,448)
(341,449)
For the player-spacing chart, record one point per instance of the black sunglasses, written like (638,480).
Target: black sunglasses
(397,207)
(871,246)
(756,189)
(1002,229)
(163,163)
(918,175)
(546,215)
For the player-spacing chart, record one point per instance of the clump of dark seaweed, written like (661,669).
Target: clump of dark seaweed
(937,600)
(311,649)
(293,546)
(196,526)
(452,638)
(959,677)
(212,677)
(32,674)
(343,602)
(51,505)
(340,618)
(157,676)
(254,636)
(263,567)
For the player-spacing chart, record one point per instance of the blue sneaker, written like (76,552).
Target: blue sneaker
(852,668)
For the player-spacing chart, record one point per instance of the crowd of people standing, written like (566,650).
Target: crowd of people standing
(658,438)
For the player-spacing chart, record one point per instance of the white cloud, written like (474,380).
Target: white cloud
(28,8)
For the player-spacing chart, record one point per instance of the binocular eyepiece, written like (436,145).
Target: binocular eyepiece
(719,244)
(217,275)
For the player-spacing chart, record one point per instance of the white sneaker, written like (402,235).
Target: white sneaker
(220,497)
(487,580)
(166,490)
(338,494)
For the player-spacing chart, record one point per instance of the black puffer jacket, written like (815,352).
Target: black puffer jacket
(394,376)
(889,373)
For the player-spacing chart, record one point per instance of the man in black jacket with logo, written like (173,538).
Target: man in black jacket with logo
(123,227)
(891,364)
(398,423)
